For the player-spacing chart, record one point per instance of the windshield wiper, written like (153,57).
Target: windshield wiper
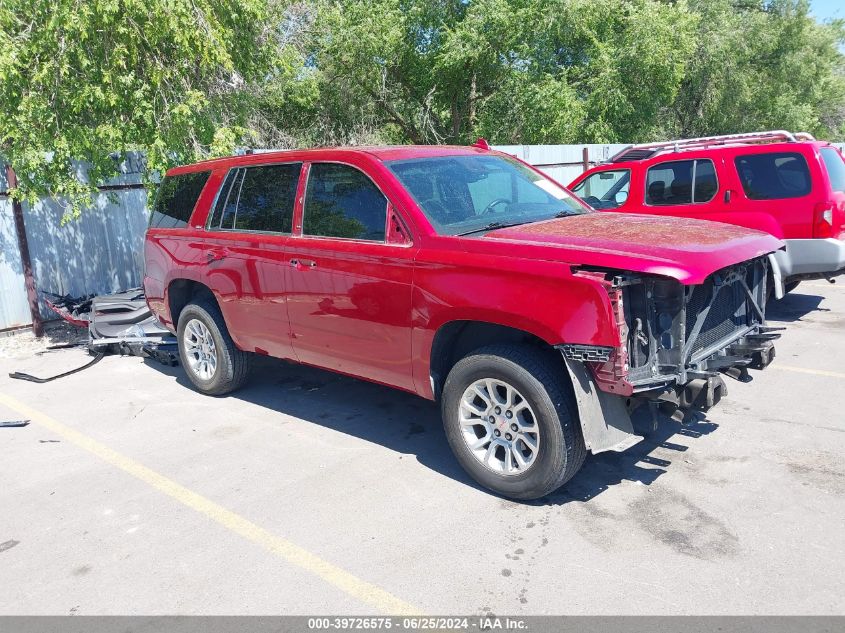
(566,214)
(490,227)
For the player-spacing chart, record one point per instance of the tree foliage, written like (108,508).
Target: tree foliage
(761,66)
(566,71)
(185,79)
(82,79)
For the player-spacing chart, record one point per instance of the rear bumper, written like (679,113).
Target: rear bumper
(811,259)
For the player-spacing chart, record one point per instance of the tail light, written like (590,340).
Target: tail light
(823,220)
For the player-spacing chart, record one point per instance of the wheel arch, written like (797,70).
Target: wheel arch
(456,339)
(180,292)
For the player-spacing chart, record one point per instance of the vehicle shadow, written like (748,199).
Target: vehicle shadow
(794,306)
(637,464)
(410,425)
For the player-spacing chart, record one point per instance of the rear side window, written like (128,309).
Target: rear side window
(835,168)
(681,182)
(225,200)
(341,201)
(176,198)
(774,176)
(257,199)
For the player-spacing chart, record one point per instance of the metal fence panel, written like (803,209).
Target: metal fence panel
(561,162)
(14,307)
(101,252)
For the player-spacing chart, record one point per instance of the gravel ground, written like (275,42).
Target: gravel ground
(24,344)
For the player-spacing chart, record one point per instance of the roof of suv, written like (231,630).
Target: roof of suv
(644,151)
(380,152)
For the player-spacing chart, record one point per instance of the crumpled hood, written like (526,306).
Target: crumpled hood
(685,249)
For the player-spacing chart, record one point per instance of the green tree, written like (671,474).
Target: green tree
(761,65)
(595,71)
(82,79)
(526,71)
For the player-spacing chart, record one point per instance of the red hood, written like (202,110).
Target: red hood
(685,249)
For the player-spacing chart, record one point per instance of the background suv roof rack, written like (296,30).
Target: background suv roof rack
(646,150)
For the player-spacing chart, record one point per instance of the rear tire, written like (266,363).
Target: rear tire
(214,365)
(545,416)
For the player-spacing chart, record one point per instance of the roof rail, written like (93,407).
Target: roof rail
(646,150)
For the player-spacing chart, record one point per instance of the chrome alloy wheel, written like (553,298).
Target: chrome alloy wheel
(200,349)
(499,426)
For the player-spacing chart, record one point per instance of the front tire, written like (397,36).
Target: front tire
(790,286)
(214,365)
(511,421)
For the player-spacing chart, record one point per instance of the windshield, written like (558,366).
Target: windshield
(465,194)
(604,189)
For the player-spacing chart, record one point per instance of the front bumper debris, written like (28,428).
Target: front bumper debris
(677,344)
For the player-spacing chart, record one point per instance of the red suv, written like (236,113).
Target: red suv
(463,275)
(789,185)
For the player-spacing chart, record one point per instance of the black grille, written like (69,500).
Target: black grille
(728,313)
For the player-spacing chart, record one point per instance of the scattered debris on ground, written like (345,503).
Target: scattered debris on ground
(74,310)
(17,375)
(13,423)
(119,323)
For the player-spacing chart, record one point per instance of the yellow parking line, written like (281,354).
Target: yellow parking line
(284,549)
(804,370)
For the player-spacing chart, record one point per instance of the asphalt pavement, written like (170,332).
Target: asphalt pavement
(313,493)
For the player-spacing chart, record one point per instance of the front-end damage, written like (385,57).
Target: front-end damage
(675,344)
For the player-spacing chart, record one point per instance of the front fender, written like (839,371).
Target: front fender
(549,302)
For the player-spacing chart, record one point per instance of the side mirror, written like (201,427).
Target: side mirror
(621,197)
(397,232)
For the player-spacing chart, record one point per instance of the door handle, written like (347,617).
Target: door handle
(215,255)
(303,264)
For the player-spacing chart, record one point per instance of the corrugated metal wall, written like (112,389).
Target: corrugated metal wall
(14,309)
(561,162)
(101,252)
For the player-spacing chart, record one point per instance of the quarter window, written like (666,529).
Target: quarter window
(774,175)
(177,196)
(681,182)
(340,201)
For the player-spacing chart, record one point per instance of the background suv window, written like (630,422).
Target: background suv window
(773,176)
(835,168)
(605,189)
(340,201)
(681,182)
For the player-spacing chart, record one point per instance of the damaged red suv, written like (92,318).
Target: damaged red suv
(463,275)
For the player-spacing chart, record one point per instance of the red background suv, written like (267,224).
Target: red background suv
(789,185)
